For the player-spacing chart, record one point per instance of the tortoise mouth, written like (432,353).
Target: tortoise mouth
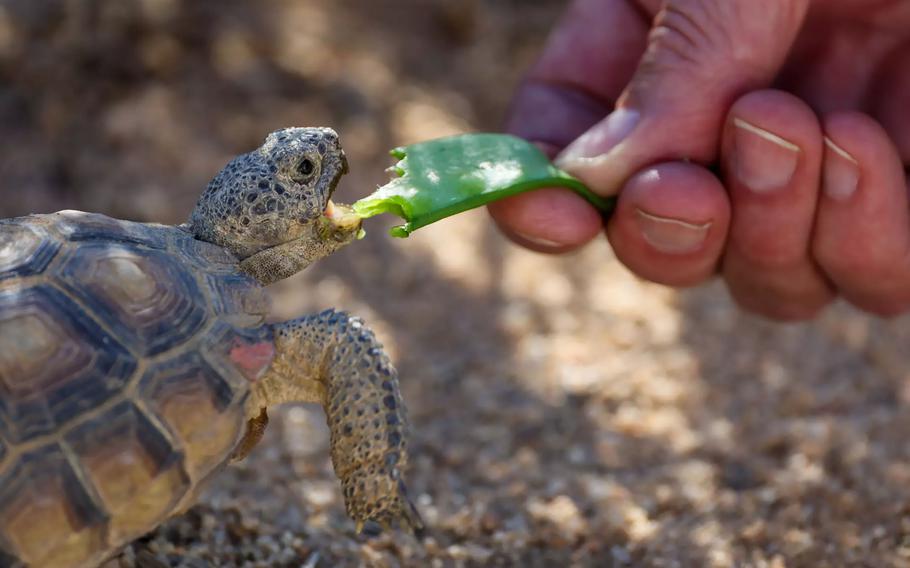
(338,214)
(333,183)
(340,218)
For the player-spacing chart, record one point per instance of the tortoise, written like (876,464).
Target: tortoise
(135,359)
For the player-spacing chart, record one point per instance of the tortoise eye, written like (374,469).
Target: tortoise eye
(305,168)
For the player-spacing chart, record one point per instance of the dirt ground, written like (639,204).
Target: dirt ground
(563,412)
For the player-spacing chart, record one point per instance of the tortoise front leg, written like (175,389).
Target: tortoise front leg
(333,359)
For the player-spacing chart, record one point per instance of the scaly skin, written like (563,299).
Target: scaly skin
(338,227)
(275,215)
(333,359)
(129,358)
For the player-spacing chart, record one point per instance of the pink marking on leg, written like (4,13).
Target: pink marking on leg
(252,359)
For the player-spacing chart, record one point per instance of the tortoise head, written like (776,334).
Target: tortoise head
(277,194)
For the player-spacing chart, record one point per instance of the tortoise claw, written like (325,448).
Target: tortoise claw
(405,518)
(411,518)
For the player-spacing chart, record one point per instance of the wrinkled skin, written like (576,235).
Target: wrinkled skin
(272,209)
(753,121)
(139,352)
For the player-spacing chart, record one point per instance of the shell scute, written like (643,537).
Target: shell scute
(82,226)
(124,369)
(200,408)
(146,297)
(25,249)
(238,299)
(47,516)
(55,362)
(132,466)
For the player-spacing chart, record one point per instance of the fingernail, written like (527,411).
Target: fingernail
(589,149)
(672,236)
(840,175)
(539,240)
(763,161)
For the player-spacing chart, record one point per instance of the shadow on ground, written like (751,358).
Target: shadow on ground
(563,412)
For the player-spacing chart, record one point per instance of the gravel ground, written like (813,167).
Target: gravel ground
(563,412)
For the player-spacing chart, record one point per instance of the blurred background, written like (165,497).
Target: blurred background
(563,412)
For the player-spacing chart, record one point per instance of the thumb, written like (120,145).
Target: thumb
(701,56)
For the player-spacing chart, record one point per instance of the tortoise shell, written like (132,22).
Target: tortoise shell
(120,389)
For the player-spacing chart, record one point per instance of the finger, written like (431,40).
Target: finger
(892,94)
(552,220)
(587,61)
(771,154)
(862,237)
(701,56)
(670,224)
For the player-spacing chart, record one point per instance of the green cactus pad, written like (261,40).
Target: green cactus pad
(439,178)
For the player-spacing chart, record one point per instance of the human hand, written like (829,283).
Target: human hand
(764,141)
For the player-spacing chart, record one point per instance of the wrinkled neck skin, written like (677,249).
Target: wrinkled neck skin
(320,238)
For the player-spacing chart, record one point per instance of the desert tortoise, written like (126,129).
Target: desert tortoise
(135,361)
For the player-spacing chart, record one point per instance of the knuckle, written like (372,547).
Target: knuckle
(676,277)
(690,23)
(861,268)
(781,308)
(768,256)
(838,260)
(707,34)
(690,33)
(796,311)
(881,305)
(875,281)
(772,261)
(794,295)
